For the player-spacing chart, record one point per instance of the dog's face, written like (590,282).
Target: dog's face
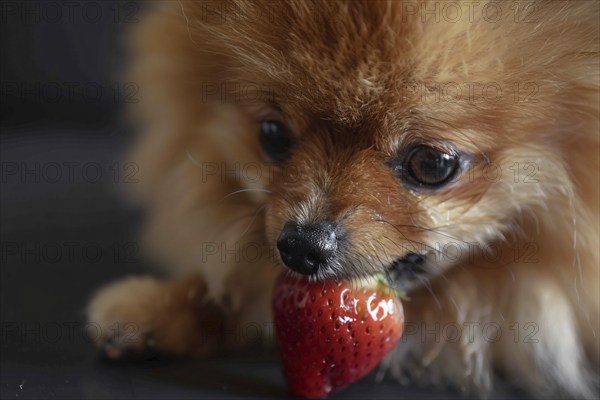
(399,143)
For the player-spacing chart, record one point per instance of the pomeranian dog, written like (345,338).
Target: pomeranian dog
(453,146)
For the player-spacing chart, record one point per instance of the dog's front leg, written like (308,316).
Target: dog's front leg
(140,314)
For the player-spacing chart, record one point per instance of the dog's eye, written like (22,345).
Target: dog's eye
(427,167)
(275,140)
(430,167)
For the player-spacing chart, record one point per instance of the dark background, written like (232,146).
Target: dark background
(66,229)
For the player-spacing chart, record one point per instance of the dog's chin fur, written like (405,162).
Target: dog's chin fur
(338,73)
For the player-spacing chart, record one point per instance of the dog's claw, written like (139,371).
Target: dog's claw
(112,350)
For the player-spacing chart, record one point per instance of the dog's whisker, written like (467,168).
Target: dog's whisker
(238,219)
(436,230)
(400,232)
(427,284)
(247,190)
(254,217)
(411,241)
(192,159)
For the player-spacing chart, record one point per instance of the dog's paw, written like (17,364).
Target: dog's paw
(141,314)
(122,316)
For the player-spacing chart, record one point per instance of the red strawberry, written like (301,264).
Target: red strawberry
(331,334)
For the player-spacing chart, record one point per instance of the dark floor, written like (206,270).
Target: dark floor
(66,230)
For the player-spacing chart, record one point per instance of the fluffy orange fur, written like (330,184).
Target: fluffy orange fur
(516,239)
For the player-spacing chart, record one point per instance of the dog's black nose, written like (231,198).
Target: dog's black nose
(306,248)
